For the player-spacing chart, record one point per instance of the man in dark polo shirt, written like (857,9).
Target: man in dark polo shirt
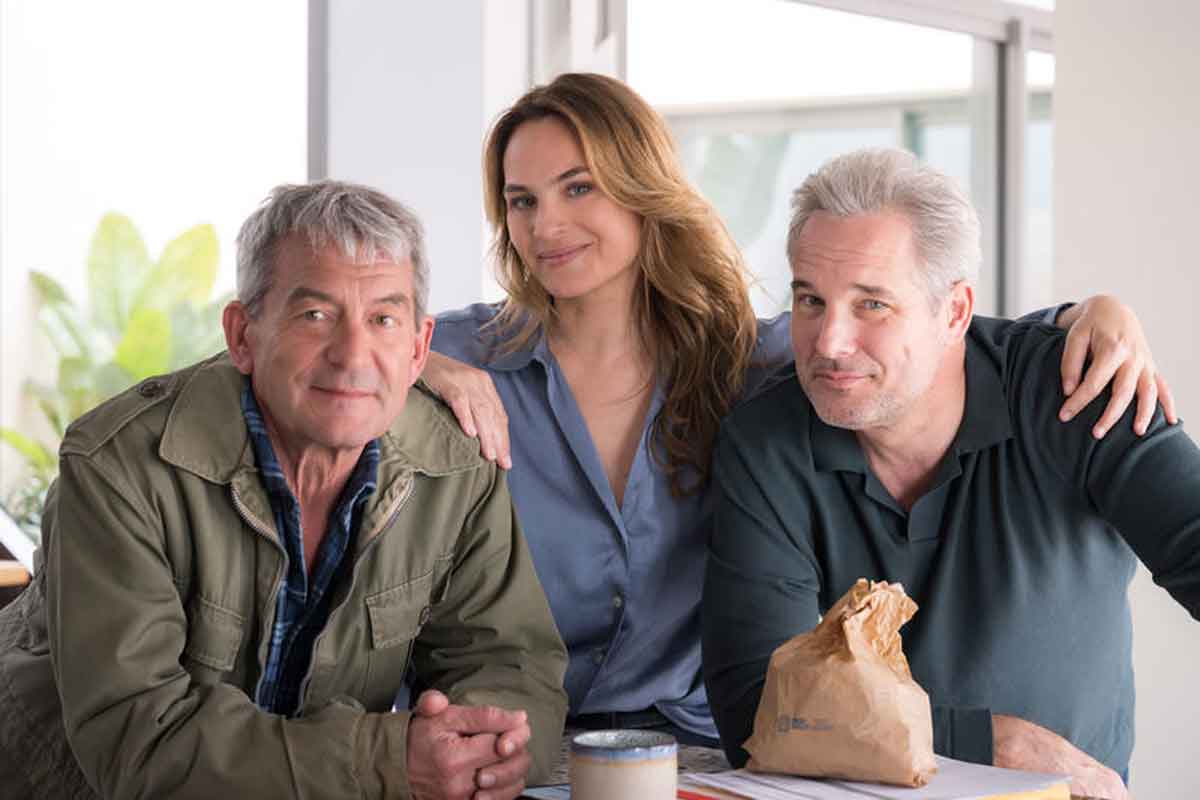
(918,445)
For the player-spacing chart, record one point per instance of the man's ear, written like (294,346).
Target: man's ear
(960,306)
(420,348)
(235,319)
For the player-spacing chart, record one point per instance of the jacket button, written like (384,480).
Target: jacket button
(150,389)
(425,614)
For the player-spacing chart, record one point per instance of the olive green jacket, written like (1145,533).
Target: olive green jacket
(156,601)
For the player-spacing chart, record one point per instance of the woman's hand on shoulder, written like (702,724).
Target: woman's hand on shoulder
(472,396)
(1111,333)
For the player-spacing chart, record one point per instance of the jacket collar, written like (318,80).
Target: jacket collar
(206,433)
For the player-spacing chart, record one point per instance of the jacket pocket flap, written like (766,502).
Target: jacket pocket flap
(214,635)
(397,614)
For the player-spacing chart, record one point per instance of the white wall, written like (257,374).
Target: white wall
(1126,210)
(411,90)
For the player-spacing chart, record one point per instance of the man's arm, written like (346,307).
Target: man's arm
(138,724)
(491,641)
(761,588)
(1147,487)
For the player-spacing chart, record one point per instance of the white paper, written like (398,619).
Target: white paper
(955,780)
(560,792)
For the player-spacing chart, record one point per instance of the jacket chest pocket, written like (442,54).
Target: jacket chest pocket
(214,638)
(396,617)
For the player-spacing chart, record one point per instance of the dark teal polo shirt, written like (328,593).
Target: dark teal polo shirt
(1019,555)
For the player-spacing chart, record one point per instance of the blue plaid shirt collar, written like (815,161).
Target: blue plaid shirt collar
(303,603)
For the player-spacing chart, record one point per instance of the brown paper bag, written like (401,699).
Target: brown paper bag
(840,701)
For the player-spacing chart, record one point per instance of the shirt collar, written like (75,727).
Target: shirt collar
(536,349)
(986,420)
(361,484)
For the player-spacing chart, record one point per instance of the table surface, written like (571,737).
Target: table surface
(691,759)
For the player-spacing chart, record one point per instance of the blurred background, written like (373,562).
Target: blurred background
(136,135)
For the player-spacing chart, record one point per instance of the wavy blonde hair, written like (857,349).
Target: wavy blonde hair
(692,297)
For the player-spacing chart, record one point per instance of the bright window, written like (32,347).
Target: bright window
(761,92)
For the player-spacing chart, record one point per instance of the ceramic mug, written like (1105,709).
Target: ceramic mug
(614,765)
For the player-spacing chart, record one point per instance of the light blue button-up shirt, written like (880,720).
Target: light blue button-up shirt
(623,581)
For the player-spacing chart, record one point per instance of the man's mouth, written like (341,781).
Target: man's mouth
(349,393)
(839,379)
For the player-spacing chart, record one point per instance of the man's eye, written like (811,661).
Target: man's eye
(315,315)
(874,305)
(578,189)
(385,321)
(808,301)
(520,202)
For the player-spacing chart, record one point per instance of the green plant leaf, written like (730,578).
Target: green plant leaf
(52,403)
(70,334)
(75,375)
(49,291)
(117,265)
(196,333)
(111,379)
(185,272)
(38,456)
(145,349)
(54,416)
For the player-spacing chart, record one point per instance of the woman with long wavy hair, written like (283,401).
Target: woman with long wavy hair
(626,335)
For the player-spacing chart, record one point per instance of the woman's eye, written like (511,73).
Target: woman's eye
(520,202)
(578,189)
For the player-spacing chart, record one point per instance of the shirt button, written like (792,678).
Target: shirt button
(598,657)
(618,601)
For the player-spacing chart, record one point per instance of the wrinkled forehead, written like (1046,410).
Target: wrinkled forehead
(880,244)
(296,263)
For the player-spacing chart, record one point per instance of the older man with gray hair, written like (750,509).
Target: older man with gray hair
(244,559)
(915,443)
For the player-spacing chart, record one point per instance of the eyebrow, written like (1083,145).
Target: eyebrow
(301,293)
(513,188)
(862,287)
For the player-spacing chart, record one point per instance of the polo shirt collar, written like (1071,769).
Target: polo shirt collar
(986,421)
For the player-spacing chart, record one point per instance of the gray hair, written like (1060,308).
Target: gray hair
(872,180)
(364,224)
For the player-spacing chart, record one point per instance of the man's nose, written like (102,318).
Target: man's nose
(351,343)
(838,336)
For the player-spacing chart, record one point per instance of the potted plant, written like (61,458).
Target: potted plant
(143,317)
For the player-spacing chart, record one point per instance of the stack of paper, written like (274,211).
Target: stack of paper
(955,780)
